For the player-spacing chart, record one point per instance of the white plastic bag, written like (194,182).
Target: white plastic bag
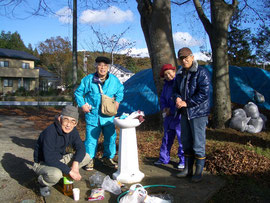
(251,110)
(153,199)
(111,186)
(239,112)
(136,194)
(257,123)
(239,123)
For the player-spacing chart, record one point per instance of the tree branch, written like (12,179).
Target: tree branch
(180,3)
(206,23)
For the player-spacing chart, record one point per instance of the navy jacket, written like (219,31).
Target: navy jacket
(193,87)
(51,146)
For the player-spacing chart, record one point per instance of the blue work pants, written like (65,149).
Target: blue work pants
(193,135)
(92,136)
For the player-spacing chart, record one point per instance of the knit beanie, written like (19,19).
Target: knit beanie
(71,111)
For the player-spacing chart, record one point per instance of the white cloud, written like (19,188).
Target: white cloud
(201,56)
(111,15)
(134,52)
(64,15)
(184,39)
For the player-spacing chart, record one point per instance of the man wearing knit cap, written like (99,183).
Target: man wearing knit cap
(191,94)
(51,160)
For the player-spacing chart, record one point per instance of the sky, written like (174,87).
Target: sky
(187,29)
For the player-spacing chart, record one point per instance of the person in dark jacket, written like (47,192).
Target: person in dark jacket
(171,119)
(51,160)
(192,98)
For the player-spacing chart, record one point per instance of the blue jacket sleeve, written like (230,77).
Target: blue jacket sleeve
(163,103)
(80,92)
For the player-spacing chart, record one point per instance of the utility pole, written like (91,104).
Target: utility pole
(84,63)
(74,48)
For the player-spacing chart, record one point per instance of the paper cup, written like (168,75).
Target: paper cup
(76,194)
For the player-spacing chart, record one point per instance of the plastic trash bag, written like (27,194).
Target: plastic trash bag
(154,199)
(257,124)
(251,110)
(258,97)
(111,185)
(136,194)
(239,123)
(239,112)
(96,179)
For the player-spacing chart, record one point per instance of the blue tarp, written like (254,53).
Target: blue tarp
(140,91)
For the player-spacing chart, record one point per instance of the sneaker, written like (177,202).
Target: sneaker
(90,165)
(44,191)
(181,166)
(158,162)
(109,162)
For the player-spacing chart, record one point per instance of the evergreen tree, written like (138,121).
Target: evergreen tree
(239,41)
(12,41)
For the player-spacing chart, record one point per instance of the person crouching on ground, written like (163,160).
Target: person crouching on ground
(171,119)
(88,97)
(192,97)
(50,157)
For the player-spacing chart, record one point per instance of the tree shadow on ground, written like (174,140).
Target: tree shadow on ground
(18,170)
(24,142)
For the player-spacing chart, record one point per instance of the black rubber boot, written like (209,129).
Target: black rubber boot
(197,177)
(188,170)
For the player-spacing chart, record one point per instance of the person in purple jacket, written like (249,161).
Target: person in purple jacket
(171,119)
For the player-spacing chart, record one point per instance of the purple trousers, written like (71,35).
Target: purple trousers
(171,128)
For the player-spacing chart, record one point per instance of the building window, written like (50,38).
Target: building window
(25,65)
(4,64)
(8,83)
(26,84)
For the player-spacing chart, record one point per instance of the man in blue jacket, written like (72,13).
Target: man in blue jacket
(191,94)
(88,97)
(51,160)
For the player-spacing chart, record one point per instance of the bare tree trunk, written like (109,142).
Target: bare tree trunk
(221,14)
(157,29)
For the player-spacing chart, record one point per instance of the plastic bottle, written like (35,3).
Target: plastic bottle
(67,185)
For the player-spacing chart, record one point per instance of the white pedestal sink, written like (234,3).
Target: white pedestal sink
(128,164)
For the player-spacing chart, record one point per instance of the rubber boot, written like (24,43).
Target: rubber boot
(197,177)
(188,170)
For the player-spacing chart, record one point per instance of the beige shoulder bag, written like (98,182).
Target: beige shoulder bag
(108,106)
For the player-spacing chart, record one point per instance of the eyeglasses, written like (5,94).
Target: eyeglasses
(66,121)
(184,58)
(103,65)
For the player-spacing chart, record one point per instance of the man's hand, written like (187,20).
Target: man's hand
(117,105)
(167,111)
(86,108)
(74,173)
(179,103)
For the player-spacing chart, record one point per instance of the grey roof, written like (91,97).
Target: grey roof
(44,73)
(122,68)
(10,53)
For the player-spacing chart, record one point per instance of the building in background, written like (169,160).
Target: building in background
(47,80)
(120,72)
(17,69)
